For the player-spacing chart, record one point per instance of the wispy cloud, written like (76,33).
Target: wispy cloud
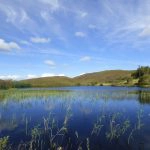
(16,15)
(50,63)
(54,4)
(80,34)
(83,14)
(51,75)
(92,26)
(9,77)
(31,76)
(8,46)
(82,73)
(25,42)
(40,40)
(67,30)
(85,58)
(145,32)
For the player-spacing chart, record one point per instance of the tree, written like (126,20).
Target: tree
(141,71)
(6,84)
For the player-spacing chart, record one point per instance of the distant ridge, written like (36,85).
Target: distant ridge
(109,77)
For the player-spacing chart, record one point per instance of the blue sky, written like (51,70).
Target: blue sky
(70,37)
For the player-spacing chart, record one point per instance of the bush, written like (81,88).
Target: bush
(18,84)
(6,84)
(144,80)
(141,71)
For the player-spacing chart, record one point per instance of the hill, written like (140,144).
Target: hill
(49,81)
(108,77)
(111,77)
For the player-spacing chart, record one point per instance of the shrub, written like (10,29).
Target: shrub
(141,71)
(144,80)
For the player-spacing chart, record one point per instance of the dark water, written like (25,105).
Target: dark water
(88,118)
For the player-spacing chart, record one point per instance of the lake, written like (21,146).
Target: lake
(75,118)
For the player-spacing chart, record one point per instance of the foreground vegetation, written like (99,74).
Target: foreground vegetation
(16,94)
(140,77)
(49,135)
(21,94)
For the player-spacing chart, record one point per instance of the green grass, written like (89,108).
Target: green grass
(17,94)
(49,82)
(109,77)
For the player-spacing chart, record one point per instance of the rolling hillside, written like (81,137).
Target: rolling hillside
(108,77)
(49,81)
(112,77)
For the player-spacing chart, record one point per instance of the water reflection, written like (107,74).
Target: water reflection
(144,97)
(76,119)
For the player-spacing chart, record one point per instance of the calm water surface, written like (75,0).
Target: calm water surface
(88,118)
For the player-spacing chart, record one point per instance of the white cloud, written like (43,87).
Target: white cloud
(7,46)
(85,58)
(81,74)
(51,75)
(25,42)
(10,13)
(31,76)
(83,14)
(45,15)
(80,34)
(50,63)
(145,32)
(40,40)
(92,26)
(9,77)
(54,4)
(14,15)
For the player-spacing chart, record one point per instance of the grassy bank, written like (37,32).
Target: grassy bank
(18,94)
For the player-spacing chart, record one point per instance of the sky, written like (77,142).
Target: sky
(40,38)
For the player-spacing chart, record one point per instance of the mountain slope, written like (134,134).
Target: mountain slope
(49,81)
(96,78)
(109,76)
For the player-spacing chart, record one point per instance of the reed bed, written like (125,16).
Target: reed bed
(51,132)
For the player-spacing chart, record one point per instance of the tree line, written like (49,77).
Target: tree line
(143,74)
(141,71)
(8,84)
